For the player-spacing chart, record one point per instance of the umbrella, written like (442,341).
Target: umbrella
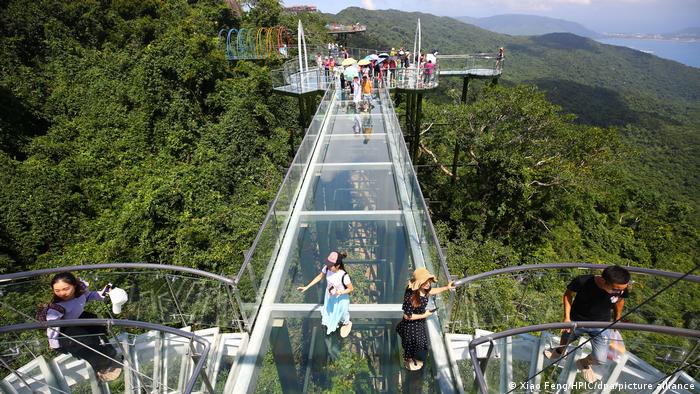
(373,57)
(351,72)
(363,62)
(384,55)
(347,62)
(381,59)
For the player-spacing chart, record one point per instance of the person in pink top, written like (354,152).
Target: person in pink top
(428,70)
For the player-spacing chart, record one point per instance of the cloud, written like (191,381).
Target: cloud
(369,4)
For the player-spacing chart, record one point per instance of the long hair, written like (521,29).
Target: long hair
(415,297)
(69,278)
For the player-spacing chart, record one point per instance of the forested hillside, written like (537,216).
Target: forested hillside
(601,166)
(126,136)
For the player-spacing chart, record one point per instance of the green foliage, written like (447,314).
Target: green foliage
(136,139)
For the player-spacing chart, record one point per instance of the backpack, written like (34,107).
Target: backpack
(43,309)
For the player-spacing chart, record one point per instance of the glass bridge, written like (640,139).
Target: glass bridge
(350,187)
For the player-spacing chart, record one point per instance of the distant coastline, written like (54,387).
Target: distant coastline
(683,51)
(654,37)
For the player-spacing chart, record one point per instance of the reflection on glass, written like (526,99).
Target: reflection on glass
(378,259)
(301,357)
(344,189)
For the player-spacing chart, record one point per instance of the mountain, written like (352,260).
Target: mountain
(690,32)
(528,25)
(655,101)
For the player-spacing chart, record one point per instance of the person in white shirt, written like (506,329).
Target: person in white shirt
(336,302)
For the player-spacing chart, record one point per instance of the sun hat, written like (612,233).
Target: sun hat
(420,276)
(332,259)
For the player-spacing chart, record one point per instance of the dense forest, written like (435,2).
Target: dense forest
(587,151)
(126,136)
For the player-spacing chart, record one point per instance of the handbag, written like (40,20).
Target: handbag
(616,345)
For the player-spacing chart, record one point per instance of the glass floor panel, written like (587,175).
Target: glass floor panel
(361,148)
(302,358)
(348,123)
(378,262)
(337,188)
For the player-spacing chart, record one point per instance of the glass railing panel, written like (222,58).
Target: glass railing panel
(378,262)
(155,296)
(252,277)
(337,188)
(533,297)
(302,357)
(516,364)
(153,363)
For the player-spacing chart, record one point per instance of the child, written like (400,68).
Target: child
(336,302)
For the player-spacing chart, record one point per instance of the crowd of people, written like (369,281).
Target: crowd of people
(394,68)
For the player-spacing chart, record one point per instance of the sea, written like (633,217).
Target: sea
(684,52)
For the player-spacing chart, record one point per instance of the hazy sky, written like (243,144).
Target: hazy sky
(652,16)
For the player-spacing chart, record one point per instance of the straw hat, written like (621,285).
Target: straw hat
(420,276)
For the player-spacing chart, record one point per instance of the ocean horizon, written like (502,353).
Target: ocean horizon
(686,52)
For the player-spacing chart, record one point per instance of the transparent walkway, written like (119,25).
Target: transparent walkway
(354,190)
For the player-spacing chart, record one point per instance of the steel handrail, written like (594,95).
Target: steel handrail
(479,372)
(530,267)
(90,267)
(198,368)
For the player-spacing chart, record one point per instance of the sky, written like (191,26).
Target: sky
(613,16)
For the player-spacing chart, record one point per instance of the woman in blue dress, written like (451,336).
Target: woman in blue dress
(336,302)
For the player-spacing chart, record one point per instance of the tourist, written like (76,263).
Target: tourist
(592,298)
(89,343)
(336,302)
(413,329)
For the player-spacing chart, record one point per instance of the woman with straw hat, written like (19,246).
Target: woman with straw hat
(412,329)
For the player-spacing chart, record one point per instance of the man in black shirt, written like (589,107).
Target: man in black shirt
(591,298)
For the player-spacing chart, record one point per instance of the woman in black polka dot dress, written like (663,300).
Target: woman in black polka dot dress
(412,329)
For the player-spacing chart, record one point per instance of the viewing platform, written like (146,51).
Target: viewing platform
(477,66)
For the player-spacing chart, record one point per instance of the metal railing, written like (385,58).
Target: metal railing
(253,275)
(480,368)
(412,78)
(160,293)
(199,355)
(476,64)
(527,296)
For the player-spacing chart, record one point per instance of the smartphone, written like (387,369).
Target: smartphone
(107,289)
(433,310)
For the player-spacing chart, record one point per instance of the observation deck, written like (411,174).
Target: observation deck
(350,187)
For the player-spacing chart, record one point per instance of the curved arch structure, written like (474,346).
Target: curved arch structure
(265,42)
(530,267)
(199,356)
(480,367)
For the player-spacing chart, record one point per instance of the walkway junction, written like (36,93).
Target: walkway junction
(351,189)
